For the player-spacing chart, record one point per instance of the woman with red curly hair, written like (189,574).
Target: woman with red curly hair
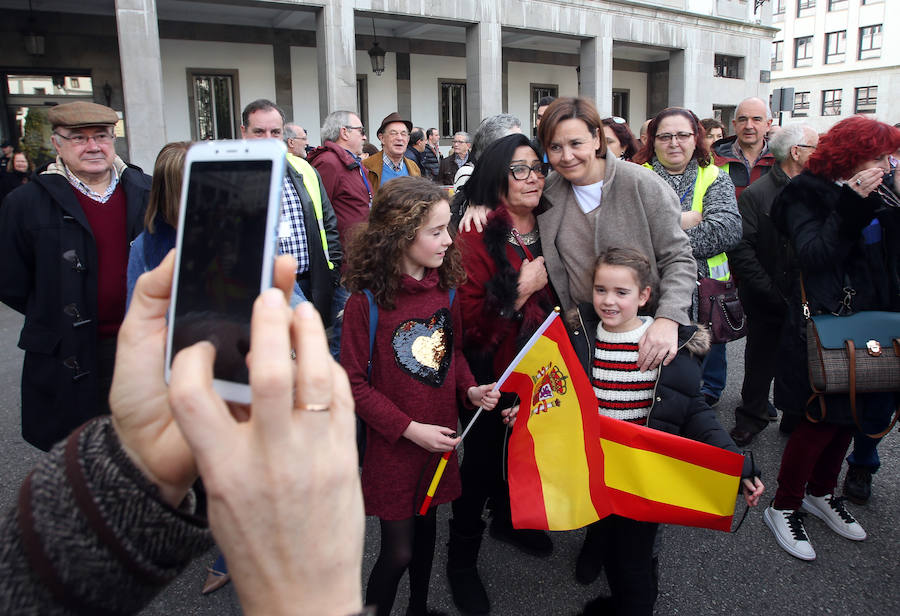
(846,242)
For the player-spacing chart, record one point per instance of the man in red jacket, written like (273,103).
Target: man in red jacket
(746,156)
(338,162)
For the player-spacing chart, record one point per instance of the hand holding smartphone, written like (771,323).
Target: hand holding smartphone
(227,229)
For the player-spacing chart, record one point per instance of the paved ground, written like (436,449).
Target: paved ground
(702,572)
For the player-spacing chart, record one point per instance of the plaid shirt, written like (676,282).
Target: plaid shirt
(294,243)
(86,190)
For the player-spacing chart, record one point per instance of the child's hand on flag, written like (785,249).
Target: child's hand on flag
(430,437)
(484,395)
(510,414)
(752,489)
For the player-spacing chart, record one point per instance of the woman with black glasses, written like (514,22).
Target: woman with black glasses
(505,298)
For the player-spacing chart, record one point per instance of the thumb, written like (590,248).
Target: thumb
(199,411)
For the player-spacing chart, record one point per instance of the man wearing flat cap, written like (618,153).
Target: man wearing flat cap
(391,162)
(64,242)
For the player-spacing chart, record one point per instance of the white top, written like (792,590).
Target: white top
(589,196)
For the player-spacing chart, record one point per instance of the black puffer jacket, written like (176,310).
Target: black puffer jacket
(835,246)
(678,406)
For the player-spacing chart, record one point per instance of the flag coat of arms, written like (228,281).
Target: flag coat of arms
(569,466)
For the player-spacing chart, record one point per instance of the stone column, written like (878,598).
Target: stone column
(596,72)
(284,94)
(404,86)
(336,57)
(685,80)
(142,81)
(484,66)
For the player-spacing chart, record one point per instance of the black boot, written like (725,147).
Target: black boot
(462,571)
(858,484)
(589,563)
(532,542)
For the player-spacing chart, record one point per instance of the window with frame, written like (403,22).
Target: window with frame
(728,67)
(801,105)
(620,103)
(362,98)
(837,5)
(777,55)
(806,7)
(831,102)
(803,51)
(453,106)
(778,9)
(866,99)
(864,2)
(870,42)
(213,104)
(539,91)
(835,47)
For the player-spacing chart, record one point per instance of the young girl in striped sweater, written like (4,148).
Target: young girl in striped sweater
(667,398)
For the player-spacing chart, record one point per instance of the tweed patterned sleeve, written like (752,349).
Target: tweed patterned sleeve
(90,535)
(720,229)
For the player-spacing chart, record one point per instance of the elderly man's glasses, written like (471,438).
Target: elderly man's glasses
(360,128)
(397,133)
(99,138)
(521,172)
(669,137)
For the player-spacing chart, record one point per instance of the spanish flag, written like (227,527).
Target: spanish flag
(569,467)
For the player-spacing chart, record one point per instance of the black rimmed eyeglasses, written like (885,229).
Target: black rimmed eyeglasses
(522,171)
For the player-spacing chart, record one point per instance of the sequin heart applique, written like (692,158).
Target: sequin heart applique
(423,348)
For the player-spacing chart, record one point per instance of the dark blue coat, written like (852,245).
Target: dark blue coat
(42,230)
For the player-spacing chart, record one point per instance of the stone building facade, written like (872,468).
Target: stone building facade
(841,57)
(183,69)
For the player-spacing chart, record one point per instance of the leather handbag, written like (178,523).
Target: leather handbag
(719,308)
(856,353)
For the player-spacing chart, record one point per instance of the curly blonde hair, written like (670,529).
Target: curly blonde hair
(375,252)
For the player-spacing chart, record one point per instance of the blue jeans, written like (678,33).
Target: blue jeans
(341,295)
(878,409)
(296,296)
(715,371)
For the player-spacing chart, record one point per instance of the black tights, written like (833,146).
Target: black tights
(405,544)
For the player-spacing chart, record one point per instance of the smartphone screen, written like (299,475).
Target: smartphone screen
(223,245)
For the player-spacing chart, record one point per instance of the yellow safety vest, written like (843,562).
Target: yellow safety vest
(311,182)
(718,264)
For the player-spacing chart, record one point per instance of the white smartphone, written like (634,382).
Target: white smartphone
(227,231)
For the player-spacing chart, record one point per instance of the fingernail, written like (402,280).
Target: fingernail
(272,298)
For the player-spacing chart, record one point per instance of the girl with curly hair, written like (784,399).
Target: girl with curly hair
(406,389)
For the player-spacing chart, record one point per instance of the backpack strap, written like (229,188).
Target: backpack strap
(373,325)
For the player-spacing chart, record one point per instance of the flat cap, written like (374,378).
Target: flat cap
(81,113)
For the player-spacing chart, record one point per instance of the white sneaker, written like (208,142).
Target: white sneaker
(831,510)
(787,526)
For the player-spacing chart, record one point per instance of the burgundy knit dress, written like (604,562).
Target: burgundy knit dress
(418,373)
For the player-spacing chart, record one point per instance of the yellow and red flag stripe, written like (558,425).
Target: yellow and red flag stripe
(654,476)
(552,483)
(569,467)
